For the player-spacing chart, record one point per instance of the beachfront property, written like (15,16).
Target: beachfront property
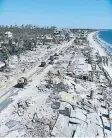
(72,94)
(56,68)
(69,98)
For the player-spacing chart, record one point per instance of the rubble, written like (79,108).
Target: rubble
(68,102)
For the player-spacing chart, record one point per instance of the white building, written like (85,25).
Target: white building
(8,34)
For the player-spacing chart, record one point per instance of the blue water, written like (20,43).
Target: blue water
(106,39)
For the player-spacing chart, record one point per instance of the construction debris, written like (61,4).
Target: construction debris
(72,100)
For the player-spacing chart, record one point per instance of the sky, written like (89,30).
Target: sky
(61,13)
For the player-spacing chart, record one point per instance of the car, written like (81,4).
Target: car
(43,64)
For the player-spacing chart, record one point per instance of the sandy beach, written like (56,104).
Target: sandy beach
(101,50)
(93,43)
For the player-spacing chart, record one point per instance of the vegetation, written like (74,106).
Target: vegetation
(24,38)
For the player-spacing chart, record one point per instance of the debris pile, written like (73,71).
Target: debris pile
(73,99)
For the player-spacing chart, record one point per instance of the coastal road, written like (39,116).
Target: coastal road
(5,98)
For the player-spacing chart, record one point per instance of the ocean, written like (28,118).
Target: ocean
(105,38)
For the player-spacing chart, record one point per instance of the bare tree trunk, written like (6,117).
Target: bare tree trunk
(18,56)
(8,60)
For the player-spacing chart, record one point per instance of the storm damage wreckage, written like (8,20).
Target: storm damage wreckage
(70,98)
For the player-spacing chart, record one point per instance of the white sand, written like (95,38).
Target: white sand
(95,45)
(98,48)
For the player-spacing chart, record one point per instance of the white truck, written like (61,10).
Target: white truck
(21,82)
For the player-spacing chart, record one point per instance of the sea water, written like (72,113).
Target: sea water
(105,38)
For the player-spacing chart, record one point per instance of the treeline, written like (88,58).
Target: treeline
(24,38)
(30,29)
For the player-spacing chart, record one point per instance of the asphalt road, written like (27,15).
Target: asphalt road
(6,99)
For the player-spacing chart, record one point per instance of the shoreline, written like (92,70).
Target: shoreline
(101,50)
(104,43)
(101,43)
